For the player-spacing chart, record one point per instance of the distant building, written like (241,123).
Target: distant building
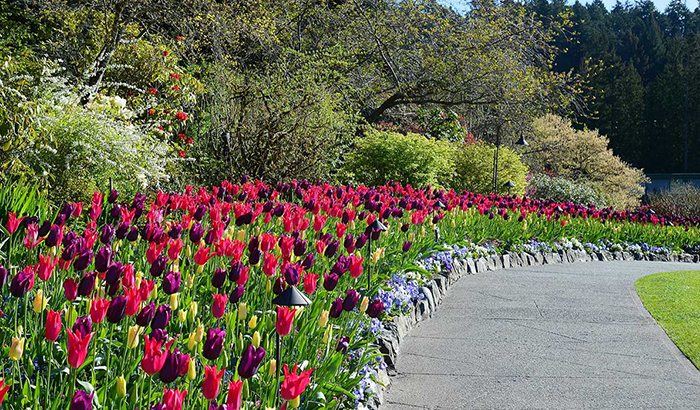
(662,182)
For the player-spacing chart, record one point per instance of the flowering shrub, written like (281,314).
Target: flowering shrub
(168,301)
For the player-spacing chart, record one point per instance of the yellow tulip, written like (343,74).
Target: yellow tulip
(139,278)
(241,235)
(174,301)
(253,322)
(364,304)
(273,367)
(192,342)
(191,371)
(182,315)
(17,348)
(121,386)
(192,313)
(190,281)
(295,402)
(323,320)
(132,340)
(199,333)
(40,301)
(242,311)
(327,335)
(256,339)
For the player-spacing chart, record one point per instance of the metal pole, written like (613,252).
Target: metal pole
(495,160)
(279,365)
(369,265)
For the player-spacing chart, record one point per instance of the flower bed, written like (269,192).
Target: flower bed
(179,300)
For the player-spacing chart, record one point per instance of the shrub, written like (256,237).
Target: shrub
(583,156)
(382,156)
(474,169)
(560,189)
(681,199)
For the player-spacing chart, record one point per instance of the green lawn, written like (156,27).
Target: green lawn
(673,299)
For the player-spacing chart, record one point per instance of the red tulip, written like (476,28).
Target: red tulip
(77,347)
(133,301)
(212,381)
(285,319)
(219,305)
(31,239)
(310,282)
(70,289)
(175,249)
(46,266)
(98,310)
(13,222)
(154,356)
(173,398)
(294,384)
(233,399)
(53,326)
(269,264)
(202,256)
(3,390)
(340,229)
(356,266)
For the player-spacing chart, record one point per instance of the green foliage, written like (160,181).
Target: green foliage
(382,156)
(680,199)
(556,147)
(671,298)
(23,199)
(474,169)
(561,189)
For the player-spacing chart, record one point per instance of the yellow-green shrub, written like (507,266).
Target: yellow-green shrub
(474,169)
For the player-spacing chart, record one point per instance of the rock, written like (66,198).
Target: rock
(627,256)
(471,266)
(429,297)
(480,265)
(490,263)
(423,311)
(505,260)
(441,283)
(539,258)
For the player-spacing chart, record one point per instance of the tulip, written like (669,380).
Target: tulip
(323,319)
(83,260)
(121,386)
(116,309)
(310,282)
(46,266)
(192,311)
(343,344)
(162,317)
(13,222)
(356,266)
(3,389)
(176,364)
(375,309)
(153,356)
(269,264)
(81,400)
(77,347)
(407,246)
(212,382)
(214,343)
(70,289)
(191,370)
(146,314)
(173,398)
(158,266)
(218,278)
(132,338)
(242,311)
(219,305)
(294,383)
(285,318)
(256,339)
(364,304)
(54,237)
(23,282)
(250,361)
(253,322)
(234,397)
(199,333)
(330,281)
(171,282)
(4,274)
(272,370)
(103,259)
(40,302)
(236,294)
(53,325)
(83,325)
(87,284)
(192,342)
(336,308)
(16,348)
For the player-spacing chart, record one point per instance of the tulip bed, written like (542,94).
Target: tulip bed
(166,302)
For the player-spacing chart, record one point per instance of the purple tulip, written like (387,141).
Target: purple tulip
(175,231)
(107,234)
(114,273)
(299,247)
(83,325)
(351,300)
(343,344)
(330,281)
(174,367)
(87,284)
(171,282)
(161,318)
(407,246)
(235,271)
(146,314)
(361,241)
(4,275)
(160,335)
(375,308)
(54,236)
(214,343)
(291,274)
(81,400)
(236,294)
(336,308)
(83,260)
(122,230)
(22,282)
(250,361)
(279,286)
(308,261)
(133,234)
(331,249)
(158,266)
(116,309)
(218,278)
(113,195)
(196,233)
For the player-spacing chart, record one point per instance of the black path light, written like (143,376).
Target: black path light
(521,141)
(376,226)
(509,186)
(290,297)
(440,205)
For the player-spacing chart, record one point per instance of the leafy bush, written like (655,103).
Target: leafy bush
(23,199)
(474,169)
(583,156)
(561,189)
(681,199)
(383,156)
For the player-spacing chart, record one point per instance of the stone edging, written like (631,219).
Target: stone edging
(393,332)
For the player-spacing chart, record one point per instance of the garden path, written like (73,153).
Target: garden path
(555,336)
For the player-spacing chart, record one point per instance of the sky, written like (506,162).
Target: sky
(660,4)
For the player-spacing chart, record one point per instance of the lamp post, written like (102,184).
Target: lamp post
(521,141)
(509,186)
(441,205)
(288,298)
(376,226)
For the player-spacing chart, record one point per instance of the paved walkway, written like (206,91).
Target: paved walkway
(555,336)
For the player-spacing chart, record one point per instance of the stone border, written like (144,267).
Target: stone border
(393,332)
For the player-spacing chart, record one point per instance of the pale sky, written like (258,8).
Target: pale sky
(660,4)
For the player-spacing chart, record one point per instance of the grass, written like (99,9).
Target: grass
(673,299)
